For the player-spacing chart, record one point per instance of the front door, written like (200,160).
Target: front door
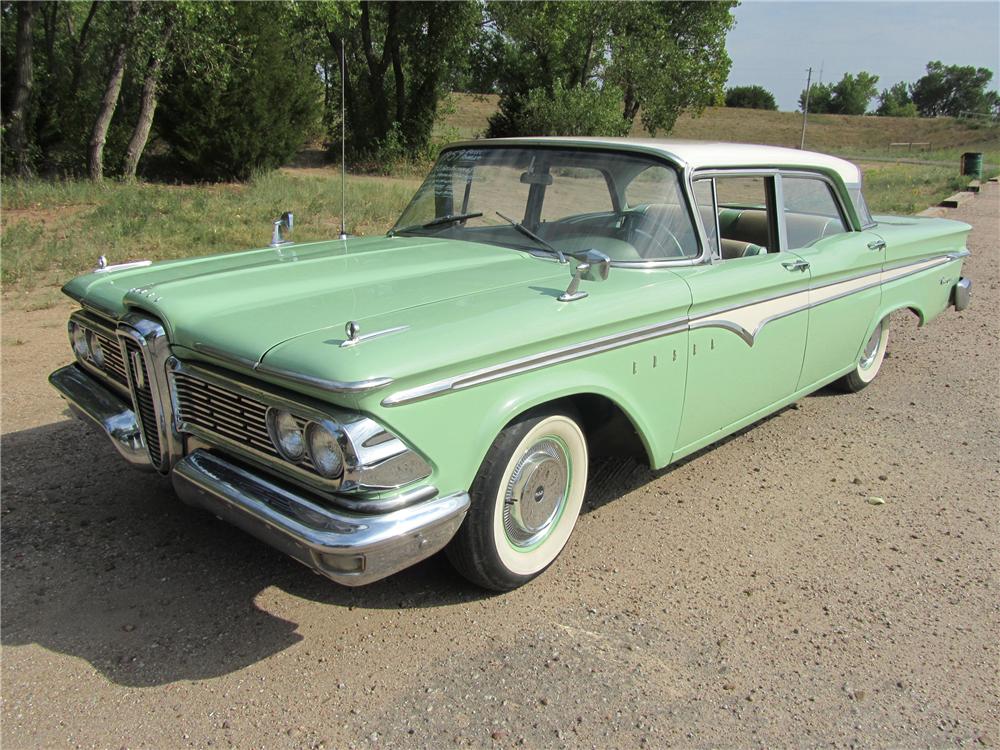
(749,319)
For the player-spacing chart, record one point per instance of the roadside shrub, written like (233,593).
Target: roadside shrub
(580,110)
(750,97)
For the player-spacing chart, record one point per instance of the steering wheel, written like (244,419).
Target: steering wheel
(655,242)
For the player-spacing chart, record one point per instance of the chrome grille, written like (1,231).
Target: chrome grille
(143,393)
(223,412)
(114,363)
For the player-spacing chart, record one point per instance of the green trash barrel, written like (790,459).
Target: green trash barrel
(972,164)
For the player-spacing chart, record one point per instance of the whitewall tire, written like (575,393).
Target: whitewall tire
(526,499)
(870,360)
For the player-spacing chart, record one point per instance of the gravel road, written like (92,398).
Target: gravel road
(750,596)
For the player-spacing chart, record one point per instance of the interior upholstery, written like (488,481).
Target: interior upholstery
(805,229)
(736,249)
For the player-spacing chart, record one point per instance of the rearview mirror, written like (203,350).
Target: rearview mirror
(536,178)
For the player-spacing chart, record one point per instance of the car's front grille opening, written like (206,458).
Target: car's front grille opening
(114,363)
(143,392)
(223,412)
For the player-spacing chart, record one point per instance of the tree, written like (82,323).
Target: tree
(953,89)
(849,96)
(895,101)
(399,58)
(16,122)
(112,88)
(820,95)
(252,104)
(663,57)
(750,97)
(852,94)
(159,31)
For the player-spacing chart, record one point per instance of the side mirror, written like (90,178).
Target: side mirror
(286,221)
(590,265)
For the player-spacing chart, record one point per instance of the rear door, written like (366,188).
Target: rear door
(844,267)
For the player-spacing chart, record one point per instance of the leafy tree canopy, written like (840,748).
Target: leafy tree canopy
(954,89)
(849,96)
(750,97)
(895,101)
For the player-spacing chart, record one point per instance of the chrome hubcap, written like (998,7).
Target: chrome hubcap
(536,493)
(871,349)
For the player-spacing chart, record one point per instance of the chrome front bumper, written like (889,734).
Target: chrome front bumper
(90,400)
(349,548)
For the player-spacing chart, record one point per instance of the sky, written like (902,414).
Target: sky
(773,43)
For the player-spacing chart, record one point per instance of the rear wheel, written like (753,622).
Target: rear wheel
(525,502)
(870,361)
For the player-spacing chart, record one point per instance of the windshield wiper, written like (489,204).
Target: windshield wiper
(528,233)
(449,219)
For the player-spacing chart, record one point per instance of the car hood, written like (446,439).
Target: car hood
(244,305)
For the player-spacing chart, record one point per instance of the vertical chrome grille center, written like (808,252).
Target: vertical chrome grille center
(145,350)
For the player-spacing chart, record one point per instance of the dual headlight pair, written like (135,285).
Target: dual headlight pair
(86,344)
(297,439)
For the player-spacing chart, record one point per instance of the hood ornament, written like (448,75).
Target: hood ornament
(102,262)
(353,331)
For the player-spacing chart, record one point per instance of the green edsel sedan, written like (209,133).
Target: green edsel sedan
(362,403)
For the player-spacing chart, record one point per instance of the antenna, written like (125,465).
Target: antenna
(343,142)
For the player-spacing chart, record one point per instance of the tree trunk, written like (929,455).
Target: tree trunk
(147,105)
(392,43)
(109,101)
(22,93)
(631,104)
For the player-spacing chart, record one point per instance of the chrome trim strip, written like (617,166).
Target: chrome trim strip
(123,266)
(349,548)
(959,254)
(657,330)
(323,384)
(536,361)
(333,386)
(347,343)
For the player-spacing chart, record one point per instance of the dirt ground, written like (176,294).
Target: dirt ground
(750,596)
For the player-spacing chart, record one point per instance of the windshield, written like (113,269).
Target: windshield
(628,206)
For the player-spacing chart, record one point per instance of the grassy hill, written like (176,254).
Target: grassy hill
(466,115)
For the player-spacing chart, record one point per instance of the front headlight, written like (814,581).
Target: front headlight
(286,434)
(78,337)
(324,450)
(96,352)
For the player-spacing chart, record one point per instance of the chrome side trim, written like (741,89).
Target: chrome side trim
(814,297)
(535,362)
(348,548)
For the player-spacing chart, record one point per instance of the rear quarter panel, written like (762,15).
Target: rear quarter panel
(923,262)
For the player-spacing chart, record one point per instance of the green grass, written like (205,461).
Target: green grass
(52,231)
(58,229)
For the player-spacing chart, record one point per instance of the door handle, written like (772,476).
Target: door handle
(798,265)
(876,245)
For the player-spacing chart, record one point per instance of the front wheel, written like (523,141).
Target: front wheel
(870,361)
(525,502)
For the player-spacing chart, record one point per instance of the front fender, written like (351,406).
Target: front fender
(454,431)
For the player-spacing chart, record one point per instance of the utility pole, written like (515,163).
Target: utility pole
(805,109)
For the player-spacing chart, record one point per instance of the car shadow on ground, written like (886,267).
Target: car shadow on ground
(104,563)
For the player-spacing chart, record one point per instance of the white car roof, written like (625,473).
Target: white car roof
(709,154)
